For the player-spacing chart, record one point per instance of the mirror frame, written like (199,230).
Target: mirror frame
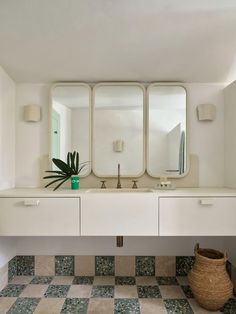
(147,129)
(64,84)
(144,127)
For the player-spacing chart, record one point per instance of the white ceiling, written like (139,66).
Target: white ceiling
(128,40)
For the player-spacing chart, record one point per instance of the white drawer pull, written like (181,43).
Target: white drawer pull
(206,202)
(30,202)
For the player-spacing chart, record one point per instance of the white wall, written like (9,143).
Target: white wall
(205,139)
(7,151)
(31,138)
(230,135)
(7,130)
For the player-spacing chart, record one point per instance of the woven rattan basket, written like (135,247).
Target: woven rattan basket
(209,280)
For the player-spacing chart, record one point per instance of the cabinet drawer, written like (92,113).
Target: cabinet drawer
(39,217)
(126,215)
(201,216)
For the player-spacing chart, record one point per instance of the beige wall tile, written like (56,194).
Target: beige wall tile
(146,281)
(3,276)
(22,280)
(165,266)
(172,292)
(182,280)
(34,291)
(198,309)
(44,265)
(125,265)
(98,306)
(79,291)
(49,306)
(152,306)
(5,304)
(104,280)
(84,265)
(62,280)
(124,292)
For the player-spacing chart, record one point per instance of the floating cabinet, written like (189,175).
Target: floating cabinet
(123,215)
(39,217)
(200,216)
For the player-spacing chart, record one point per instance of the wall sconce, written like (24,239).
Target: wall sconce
(206,112)
(32,113)
(118,146)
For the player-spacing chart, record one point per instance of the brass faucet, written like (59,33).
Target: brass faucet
(118,183)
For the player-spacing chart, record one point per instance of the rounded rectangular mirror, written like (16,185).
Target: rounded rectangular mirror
(118,129)
(167,131)
(70,122)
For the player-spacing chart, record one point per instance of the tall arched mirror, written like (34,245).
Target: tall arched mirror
(167,131)
(118,129)
(70,122)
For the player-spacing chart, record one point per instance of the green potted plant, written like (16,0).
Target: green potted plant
(69,170)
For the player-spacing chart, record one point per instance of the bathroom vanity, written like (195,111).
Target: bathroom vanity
(110,212)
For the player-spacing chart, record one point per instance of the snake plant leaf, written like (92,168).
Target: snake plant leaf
(68,159)
(81,168)
(62,165)
(77,162)
(61,183)
(73,162)
(54,171)
(53,177)
(54,181)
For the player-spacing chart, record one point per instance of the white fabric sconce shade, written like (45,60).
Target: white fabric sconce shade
(118,146)
(206,112)
(32,113)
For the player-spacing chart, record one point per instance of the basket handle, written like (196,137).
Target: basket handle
(196,248)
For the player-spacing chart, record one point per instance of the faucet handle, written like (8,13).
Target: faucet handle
(103,186)
(134,184)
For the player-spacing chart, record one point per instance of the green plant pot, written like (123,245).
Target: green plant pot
(74,182)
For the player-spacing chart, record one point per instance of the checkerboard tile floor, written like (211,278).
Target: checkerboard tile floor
(101,295)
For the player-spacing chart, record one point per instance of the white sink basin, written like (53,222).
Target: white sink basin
(125,190)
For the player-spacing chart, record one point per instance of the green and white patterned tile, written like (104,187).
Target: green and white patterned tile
(174,306)
(12,290)
(104,265)
(83,280)
(25,265)
(149,292)
(75,305)
(184,265)
(57,291)
(125,281)
(102,292)
(127,306)
(187,291)
(43,280)
(145,265)
(24,306)
(229,307)
(170,281)
(64,265)
(12,268)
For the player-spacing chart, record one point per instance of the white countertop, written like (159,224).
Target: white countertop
(179,192)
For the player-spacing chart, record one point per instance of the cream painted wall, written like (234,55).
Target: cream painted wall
(206,139)
(7,151)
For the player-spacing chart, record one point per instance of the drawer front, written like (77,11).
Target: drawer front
(126,215)
(201,216)
(39,217)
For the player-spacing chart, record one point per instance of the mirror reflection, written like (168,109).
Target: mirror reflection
(70,122)
(118,130)
(167,147)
